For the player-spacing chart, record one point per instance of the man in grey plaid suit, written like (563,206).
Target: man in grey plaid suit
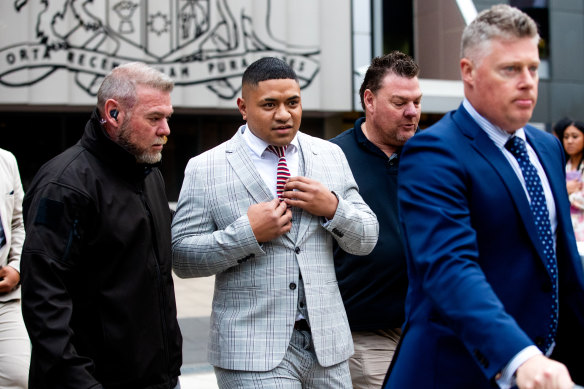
(278,318)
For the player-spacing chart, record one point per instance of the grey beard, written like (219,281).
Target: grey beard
(148,158)
(141,157)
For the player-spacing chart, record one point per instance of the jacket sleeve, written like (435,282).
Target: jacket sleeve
(199,248)
(50,259)
(354,225)
(17,238)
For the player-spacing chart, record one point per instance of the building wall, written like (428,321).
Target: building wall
(51,65)
(57,52)
(45,99)
(438,28)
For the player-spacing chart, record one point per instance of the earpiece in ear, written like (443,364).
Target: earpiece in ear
(114,114)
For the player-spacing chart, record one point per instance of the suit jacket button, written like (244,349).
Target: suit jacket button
(338,233)
(539,341)
(292,286)
(297,250)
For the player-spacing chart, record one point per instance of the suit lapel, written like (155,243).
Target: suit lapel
(546,156)
(553,165)
(307,155)
(484,146)
(238,158)
(241,163)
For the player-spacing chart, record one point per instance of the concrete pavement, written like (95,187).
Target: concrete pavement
(193,303)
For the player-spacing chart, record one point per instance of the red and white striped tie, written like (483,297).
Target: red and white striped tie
(282,173)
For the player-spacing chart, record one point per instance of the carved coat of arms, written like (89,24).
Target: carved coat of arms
(207,42)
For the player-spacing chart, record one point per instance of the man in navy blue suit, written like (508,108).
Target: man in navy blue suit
(493,300)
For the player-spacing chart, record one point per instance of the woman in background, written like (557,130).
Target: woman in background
(571,134)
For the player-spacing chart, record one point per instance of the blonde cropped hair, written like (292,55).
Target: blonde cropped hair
(498,22)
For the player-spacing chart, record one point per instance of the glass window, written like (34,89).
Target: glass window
(398,26)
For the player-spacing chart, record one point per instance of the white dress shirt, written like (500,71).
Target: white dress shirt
(267,162)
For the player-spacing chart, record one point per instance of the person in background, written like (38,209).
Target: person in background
(496,286)
(571,133)
(260,212)
(374,288)
(14,343)
(98,296)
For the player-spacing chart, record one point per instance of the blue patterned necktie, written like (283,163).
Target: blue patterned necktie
(541,217)
(282,173)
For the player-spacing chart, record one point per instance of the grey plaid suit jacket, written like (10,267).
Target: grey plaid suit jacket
(254,305)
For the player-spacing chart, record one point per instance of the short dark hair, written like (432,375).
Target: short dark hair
(395,62)
(267,68)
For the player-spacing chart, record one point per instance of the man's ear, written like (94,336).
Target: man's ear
(368,98)
(112,112)
(242,107)
(467,71)
(112,117)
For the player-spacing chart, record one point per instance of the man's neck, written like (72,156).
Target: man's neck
(370,134)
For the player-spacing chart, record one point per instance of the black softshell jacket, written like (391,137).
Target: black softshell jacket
(97,290)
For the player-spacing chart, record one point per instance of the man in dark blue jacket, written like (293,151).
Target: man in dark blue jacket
(374,287)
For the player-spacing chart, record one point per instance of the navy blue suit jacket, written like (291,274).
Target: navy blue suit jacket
(479,290)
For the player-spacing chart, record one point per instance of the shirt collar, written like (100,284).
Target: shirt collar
(258,146)
(495,133)
(361,138)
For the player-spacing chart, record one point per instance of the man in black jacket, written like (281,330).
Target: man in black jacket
(374,287)
(97,290)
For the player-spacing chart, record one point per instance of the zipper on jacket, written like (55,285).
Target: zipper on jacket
(160,284)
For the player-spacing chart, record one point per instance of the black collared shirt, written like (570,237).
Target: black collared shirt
(373,287)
